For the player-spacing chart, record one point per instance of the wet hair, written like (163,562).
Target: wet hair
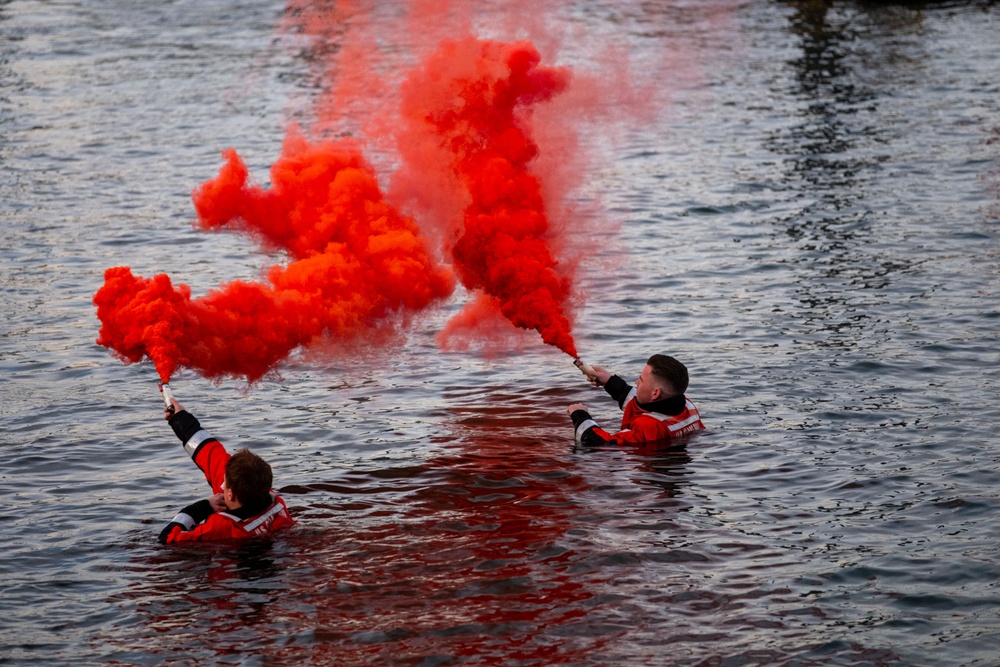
(669,370)
(249,477)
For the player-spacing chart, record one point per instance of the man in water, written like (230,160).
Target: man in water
(655,410)
(243,505)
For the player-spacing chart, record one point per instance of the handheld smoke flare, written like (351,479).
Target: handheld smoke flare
(587,370)
(168,396)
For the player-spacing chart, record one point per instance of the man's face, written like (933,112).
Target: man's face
(646,389)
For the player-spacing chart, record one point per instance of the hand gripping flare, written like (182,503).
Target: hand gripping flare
(588,371)
(167,396)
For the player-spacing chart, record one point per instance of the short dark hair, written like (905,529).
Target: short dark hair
(249,477)
(669,370)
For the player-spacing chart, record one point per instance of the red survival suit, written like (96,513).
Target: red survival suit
(199,521)
(661,420)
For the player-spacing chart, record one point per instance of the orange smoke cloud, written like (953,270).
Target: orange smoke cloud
(357,263)
(467,115)
(463,126)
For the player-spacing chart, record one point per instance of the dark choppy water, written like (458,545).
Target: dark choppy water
(811,223)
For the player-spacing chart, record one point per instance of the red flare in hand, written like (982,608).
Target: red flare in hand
(357,263)
(473,99)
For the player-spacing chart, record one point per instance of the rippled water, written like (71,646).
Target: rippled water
(810,222)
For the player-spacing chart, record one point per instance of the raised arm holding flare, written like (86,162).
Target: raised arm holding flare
(243,503)
(655,410)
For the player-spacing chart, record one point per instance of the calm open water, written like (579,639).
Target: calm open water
(810,222)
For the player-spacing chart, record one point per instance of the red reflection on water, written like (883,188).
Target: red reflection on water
(477,569)
(464,558)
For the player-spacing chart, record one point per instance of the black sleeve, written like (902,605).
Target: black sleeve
(187,518)
(618,389)
(199,511)
(591,434)
(591,438)
(185,425)
(579,416)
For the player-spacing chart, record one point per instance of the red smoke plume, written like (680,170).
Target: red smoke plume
(357,262)
(467,114)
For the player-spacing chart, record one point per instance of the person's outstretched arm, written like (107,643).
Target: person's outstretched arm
(204,449)
(210,456)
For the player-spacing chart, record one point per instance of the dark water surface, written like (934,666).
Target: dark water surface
(811,223)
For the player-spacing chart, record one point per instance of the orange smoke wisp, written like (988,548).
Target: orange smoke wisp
(320,194)
(218,335)
(326,209)
(474,98)
(142,318)
(357,265)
